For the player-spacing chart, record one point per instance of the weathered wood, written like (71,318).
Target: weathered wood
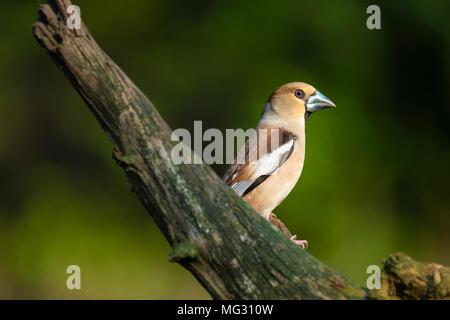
(231,250)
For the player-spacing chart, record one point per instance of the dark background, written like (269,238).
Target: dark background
(376,174)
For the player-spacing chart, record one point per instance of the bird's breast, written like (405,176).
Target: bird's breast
(268,195)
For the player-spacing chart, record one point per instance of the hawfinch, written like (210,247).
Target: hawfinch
(268,166)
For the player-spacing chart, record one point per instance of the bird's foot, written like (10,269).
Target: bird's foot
(300,243)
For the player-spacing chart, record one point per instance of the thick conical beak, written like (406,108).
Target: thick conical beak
(317,102)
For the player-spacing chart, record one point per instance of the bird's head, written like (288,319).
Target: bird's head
(296,100)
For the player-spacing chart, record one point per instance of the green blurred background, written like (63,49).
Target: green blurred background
(376,174)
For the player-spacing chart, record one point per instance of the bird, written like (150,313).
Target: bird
(270,163)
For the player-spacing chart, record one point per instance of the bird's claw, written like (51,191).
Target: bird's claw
(300,243)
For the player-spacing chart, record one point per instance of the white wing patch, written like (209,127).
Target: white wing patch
(265,166)
(270,162)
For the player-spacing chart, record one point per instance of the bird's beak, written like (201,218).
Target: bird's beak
(318,101)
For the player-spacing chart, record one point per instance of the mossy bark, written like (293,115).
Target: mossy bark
(404,278)
(231,250)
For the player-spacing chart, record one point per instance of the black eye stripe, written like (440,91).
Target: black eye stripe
(299,93)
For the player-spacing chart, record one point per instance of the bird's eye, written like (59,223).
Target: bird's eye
(299,93)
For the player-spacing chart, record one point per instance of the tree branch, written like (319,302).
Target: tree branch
(232,251)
